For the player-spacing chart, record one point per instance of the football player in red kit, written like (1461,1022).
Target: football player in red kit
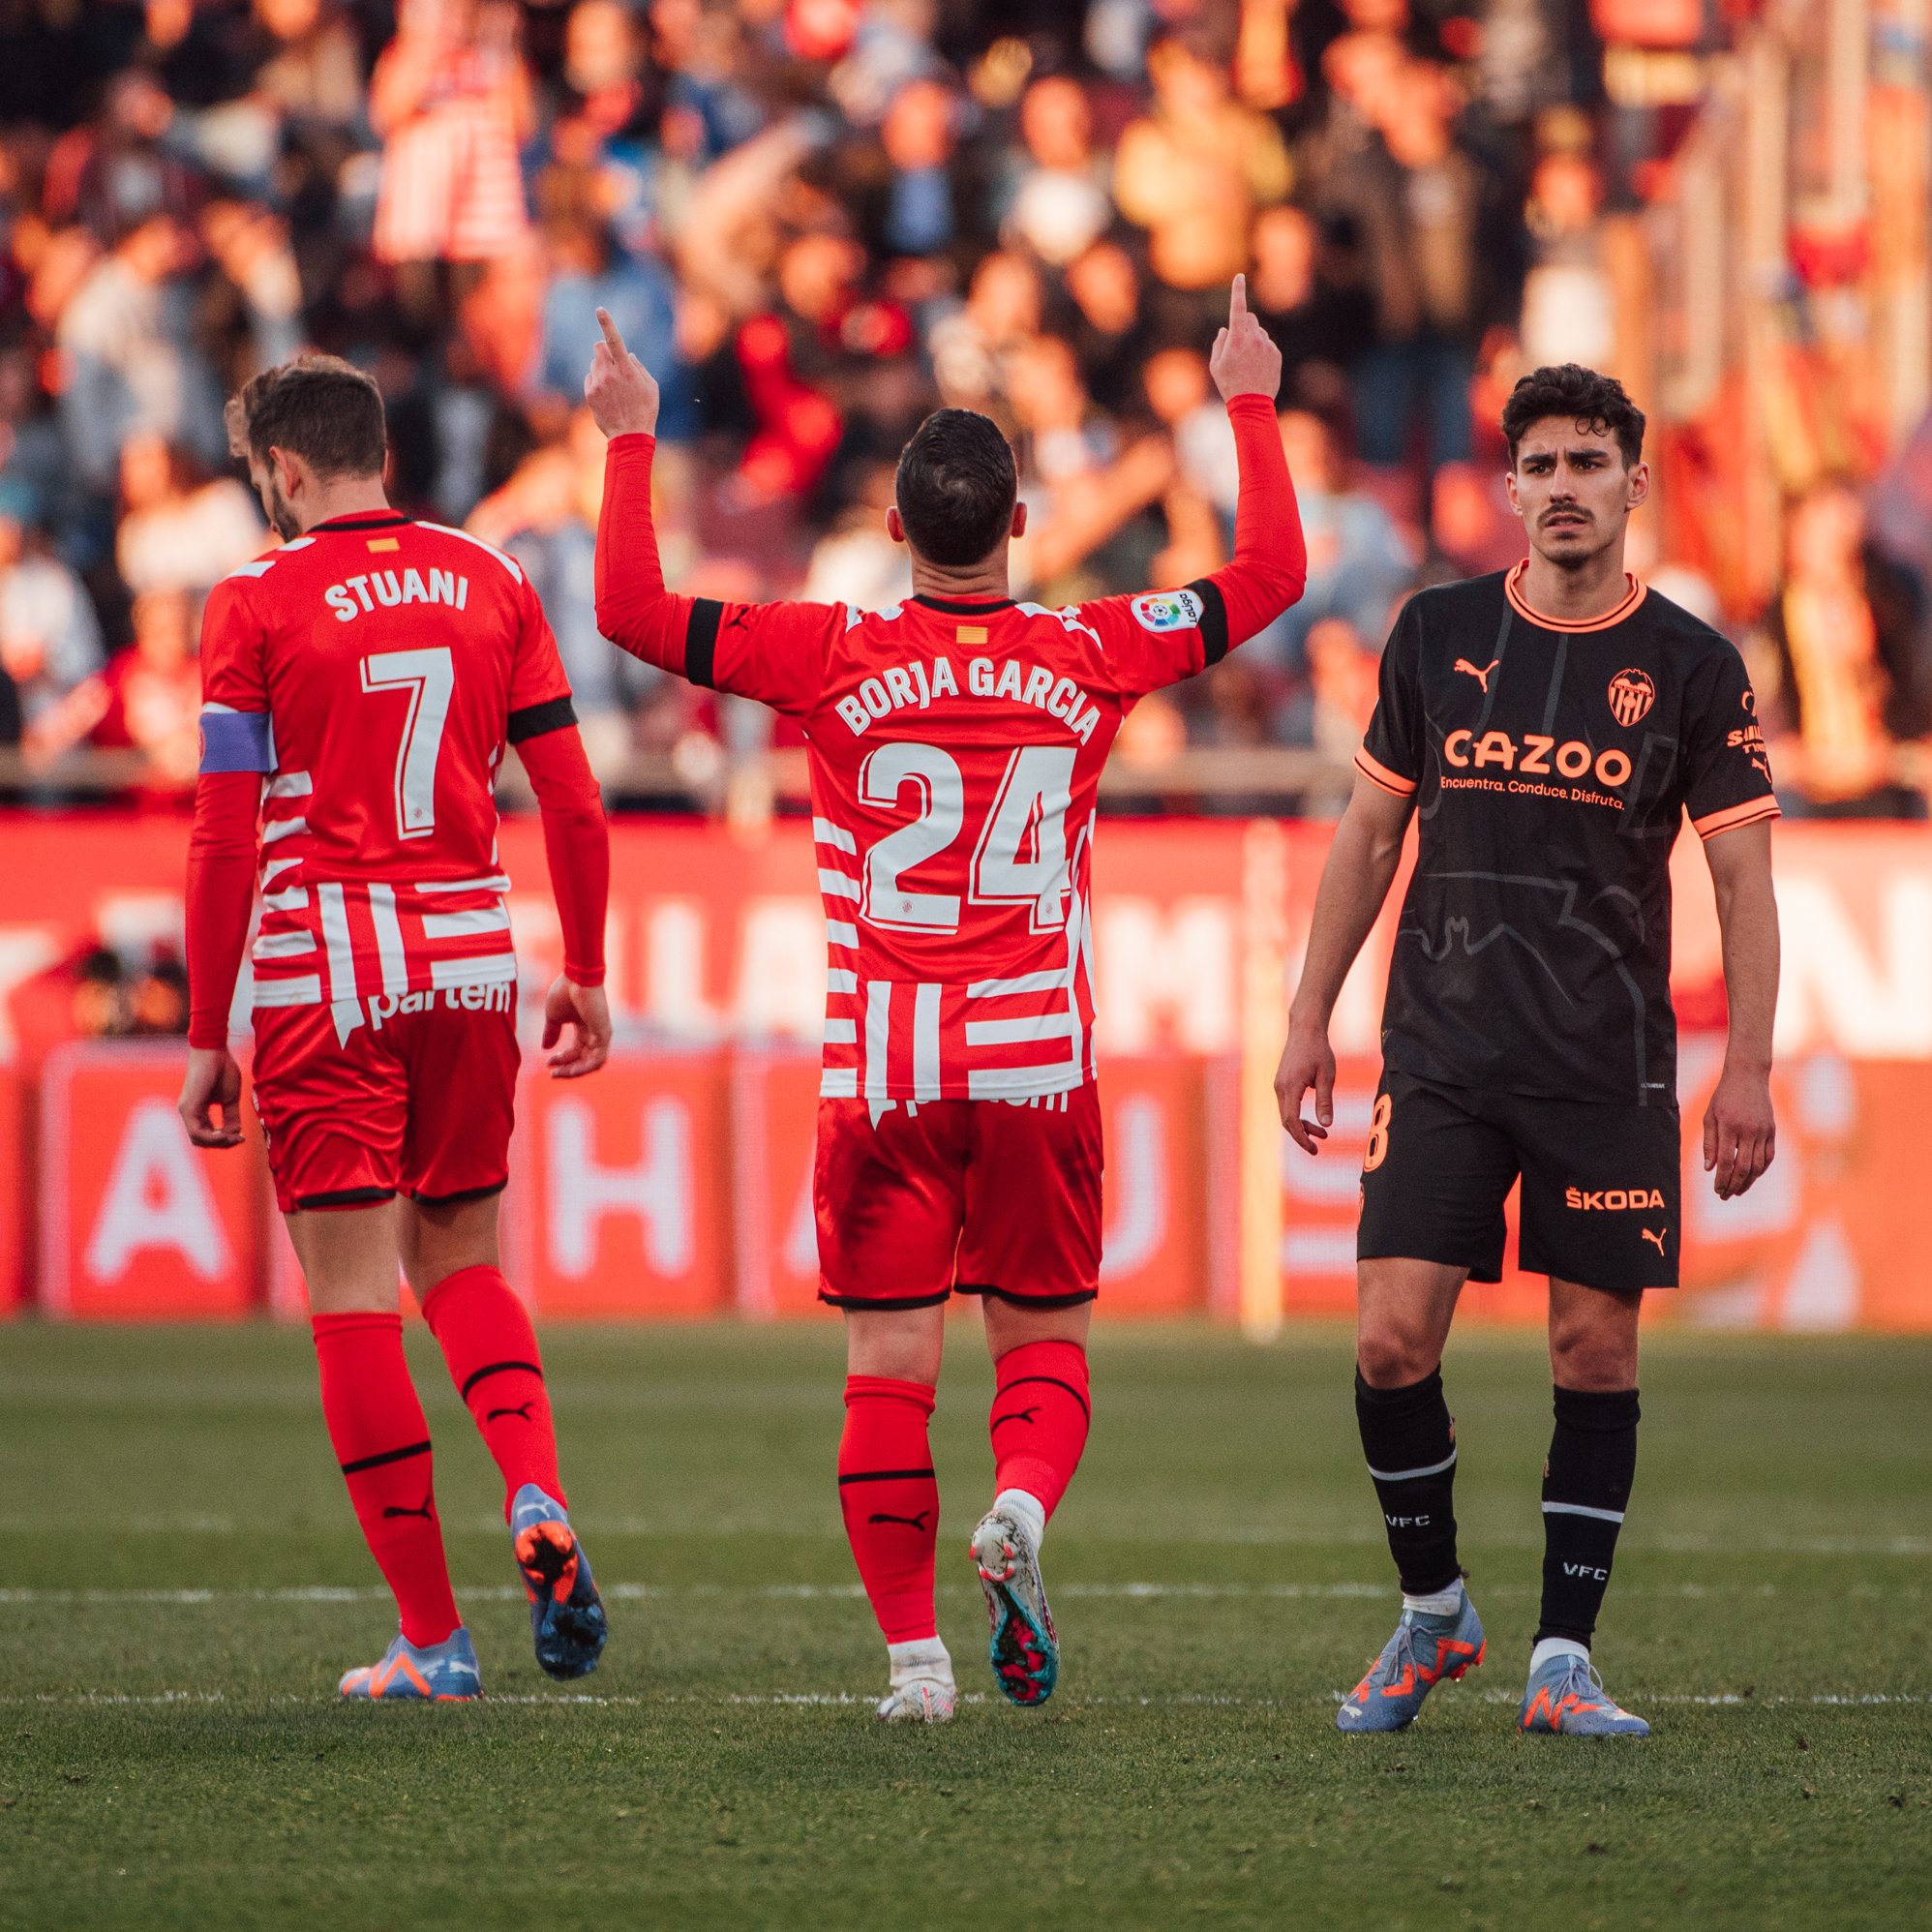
(956,745)
(359,685)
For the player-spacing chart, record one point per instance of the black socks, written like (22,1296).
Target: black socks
(1585,1489)
(1410,1443)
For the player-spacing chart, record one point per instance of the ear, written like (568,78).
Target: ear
(290,472)
(895,527)
(1640,485)
(1509,485)
(1019,520)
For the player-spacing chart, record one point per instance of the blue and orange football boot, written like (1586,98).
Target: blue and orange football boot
(442,1673)
(1566,1699)
(1424,1650)
(566,1613)
(1025,1646)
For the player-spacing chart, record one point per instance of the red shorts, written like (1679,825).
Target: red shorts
(423,1104)
(984,1197)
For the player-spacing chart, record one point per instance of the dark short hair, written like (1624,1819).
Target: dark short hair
(956,487)
(321,408)
(1591,401)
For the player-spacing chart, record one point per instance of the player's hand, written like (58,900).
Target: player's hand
(1741,1133)
(622,392)
(1306,1061)
(213,1080)
(1244,361)
(587,1013)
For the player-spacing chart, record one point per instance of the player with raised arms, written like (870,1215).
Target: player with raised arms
(956,743)
(1547,728)
(360,684)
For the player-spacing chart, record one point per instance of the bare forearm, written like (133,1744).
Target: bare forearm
(1747,914)
(1361,867)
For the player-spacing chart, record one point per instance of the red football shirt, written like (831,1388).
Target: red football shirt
(955,754)
(373,669)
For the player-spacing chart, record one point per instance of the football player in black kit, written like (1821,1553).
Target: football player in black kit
(1549,728)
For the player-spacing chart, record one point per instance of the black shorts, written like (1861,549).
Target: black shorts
(1601,1185)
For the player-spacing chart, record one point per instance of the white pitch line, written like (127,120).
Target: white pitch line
(1635,1541)
(566,1700)
(1121,1592)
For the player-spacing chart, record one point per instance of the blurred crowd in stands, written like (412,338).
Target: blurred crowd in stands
(816,220)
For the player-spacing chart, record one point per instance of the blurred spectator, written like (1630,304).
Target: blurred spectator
(1110,335)
(1194,170)
(180,530)
(816,220)
(1060,206)
(856,562)
(148,701)
(119,173)
(50,639)
(251,248)
(918,137)
(451,99)
(312,70)
(1359,562)
(1568,303)
(127,332)
(970,348)
(1317,326)
(1332,711)
(546,517)
(1439,259)
(1844,626)
(588,273)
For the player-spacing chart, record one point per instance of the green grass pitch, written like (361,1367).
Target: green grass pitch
(171,1759)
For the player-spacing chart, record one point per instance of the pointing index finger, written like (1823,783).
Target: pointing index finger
(1237,301)
(611,335)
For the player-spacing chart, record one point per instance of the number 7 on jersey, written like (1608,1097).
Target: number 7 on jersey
(429,676)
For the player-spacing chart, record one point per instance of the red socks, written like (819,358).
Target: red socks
(491,1347)
(382,1443)
(1039,1417)
(890,1500)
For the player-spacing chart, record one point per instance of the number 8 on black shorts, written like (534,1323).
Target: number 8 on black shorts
(1601,1184)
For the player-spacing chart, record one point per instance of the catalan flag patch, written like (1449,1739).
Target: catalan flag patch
(970,634)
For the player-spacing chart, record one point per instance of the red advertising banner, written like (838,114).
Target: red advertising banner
(16,1276)
(678,1181)
(136,1224)
(1826,1240)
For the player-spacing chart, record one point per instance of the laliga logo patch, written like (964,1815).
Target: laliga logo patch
(1631,696)
(1167,610)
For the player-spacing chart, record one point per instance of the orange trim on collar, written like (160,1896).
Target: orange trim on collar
(1570,627)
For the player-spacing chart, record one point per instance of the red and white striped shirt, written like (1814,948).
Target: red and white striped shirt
(956,750)
(373,669)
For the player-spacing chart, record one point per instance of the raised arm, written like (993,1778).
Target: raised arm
(774,653)
(1269,568)
(1165,636)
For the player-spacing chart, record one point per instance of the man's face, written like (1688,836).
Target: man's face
(275,507)
(1572,490)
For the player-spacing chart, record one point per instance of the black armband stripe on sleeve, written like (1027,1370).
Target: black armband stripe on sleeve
(534,720)
(1213,619)
(701,642)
